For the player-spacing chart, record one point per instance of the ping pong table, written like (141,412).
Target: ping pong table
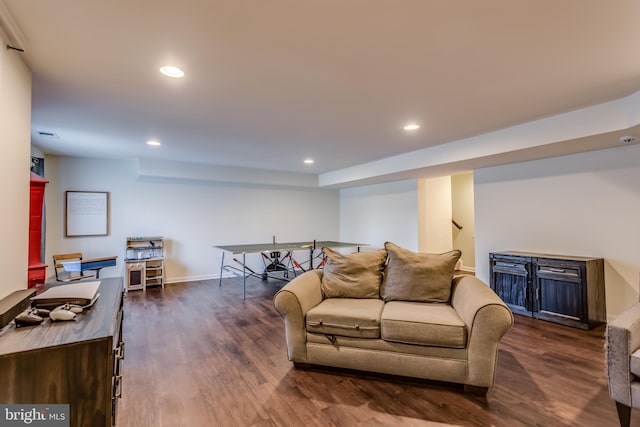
(273,253)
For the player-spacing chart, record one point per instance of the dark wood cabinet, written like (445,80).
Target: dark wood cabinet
(563,289)
(75,362)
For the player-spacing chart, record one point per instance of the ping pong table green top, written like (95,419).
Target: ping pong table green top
(291,246)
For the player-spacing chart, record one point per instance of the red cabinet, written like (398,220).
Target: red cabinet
(37,270)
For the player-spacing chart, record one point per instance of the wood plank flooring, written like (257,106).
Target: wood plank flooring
(198,355)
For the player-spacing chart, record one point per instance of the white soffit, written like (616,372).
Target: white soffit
(587,129)
(170,170)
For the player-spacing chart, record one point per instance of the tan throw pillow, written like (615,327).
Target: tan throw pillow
(357,275)
(421,277)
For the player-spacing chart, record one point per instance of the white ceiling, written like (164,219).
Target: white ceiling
(269,83)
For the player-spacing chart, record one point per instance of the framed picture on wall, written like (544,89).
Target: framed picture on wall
(86,213)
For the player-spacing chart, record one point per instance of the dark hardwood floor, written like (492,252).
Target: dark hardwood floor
(198,355)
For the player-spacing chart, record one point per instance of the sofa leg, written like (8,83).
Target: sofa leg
(624,414)
(472,389)
(302,366)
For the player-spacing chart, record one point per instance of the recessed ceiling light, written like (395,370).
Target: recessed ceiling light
(171,71)
(411,126)
(308,161)
(153,143)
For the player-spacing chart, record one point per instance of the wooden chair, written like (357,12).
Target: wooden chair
(67,276)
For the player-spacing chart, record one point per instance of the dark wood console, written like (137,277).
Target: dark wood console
(75,362)
(563,289)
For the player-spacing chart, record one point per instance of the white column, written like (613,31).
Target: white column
(434,215)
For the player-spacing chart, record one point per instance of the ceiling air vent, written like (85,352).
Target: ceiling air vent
(50,135)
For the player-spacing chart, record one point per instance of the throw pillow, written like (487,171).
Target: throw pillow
(421,277)
(357,275)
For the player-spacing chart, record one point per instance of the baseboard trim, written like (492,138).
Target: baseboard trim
(195,278)
(211,277)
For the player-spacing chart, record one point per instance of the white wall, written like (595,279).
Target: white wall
(15,140)
(378,213)
(193,216)
(583,204)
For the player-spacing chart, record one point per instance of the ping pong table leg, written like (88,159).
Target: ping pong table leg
(244,276)
(221,268)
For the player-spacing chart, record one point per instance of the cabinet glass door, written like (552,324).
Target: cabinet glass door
(510,281)
(560,292)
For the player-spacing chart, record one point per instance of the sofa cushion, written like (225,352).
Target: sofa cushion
(420,277)
(357,275)
(434,324)
(348,317)
(635,363)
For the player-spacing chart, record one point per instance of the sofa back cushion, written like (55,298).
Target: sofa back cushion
(420,277)
(357,275)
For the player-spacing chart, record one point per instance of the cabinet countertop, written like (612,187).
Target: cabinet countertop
(543,256)
(94,323)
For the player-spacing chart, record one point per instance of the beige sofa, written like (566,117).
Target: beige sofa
(453,340)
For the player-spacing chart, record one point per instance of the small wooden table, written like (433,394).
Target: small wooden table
(92,264)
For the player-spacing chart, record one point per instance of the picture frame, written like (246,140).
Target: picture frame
(86,213)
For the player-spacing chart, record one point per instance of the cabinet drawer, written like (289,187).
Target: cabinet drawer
(561,273)
(508,267)
(116,379)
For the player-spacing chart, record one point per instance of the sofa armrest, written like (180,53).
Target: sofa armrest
(623,338)
(292,303)
(487,318)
